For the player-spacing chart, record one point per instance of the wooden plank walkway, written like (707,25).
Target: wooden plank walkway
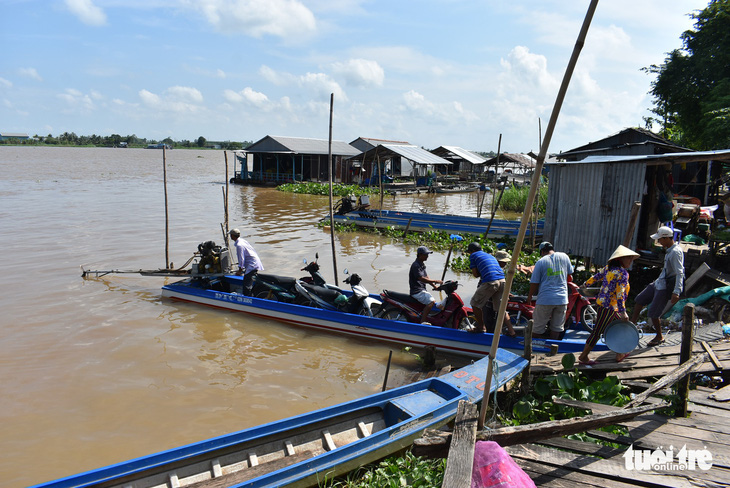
(647,362)
(565,463)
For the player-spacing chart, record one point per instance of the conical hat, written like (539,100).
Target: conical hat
(622,251)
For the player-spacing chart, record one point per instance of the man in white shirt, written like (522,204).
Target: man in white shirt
(667,287)
(249,263)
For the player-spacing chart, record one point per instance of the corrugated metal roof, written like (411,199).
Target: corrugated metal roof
(675,158)
(469,156)
(301,145)
(415,154)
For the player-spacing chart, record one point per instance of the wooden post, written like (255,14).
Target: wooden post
(685,354)
(167,216)
(527,354)
(632,223)
(496,166)
(494,210)
(387,371)
(448,256)
(329,172)
(461,454)
(509,276)
(405,232)
(225,212)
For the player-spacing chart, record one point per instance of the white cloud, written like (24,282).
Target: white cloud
(76,100)
(436,113)
(177,99)
(321,85)
(360,72)
(258,18)
(30,73)
(6,83)
(220,73)
(279,79)
(87,12)
(249,95)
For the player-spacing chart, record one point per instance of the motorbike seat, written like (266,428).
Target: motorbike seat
(322,292)
(400,297)
(282,281)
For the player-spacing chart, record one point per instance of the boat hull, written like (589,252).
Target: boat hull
(423,222)
(307,449)
(370,328)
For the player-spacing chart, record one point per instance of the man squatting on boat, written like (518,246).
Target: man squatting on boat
(249,263)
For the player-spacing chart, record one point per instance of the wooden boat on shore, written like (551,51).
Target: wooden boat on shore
(456,189)
(307,449)
(223,292)
(422,222)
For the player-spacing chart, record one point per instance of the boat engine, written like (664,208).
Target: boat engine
(213,259)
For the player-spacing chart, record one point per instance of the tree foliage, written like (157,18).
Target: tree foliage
(692,88)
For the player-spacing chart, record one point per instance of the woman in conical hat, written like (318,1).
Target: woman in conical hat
(611,300)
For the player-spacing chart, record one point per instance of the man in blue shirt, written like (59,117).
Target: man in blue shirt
(491,285)
(549,282)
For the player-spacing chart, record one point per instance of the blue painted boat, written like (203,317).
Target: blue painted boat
(422,222)
(220,292)
(309,448)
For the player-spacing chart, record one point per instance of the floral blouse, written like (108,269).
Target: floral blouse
(614,287)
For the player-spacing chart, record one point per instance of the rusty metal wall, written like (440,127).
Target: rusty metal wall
(589,206)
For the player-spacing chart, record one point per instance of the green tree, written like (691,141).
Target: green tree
(692,88)
(201,141)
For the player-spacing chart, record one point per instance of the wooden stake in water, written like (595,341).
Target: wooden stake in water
(329,171)
(509,275)
(168,265)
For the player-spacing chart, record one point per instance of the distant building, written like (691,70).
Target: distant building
(277,159)
(4,136)
(465,163)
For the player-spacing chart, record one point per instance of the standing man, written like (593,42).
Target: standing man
(249,263)
(491,286)
(417,279)
(667,287)
(549,283)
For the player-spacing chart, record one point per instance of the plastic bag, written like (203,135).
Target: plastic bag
(494,468)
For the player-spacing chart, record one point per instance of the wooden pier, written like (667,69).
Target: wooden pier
(689,449)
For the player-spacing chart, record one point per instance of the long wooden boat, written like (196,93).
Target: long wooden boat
(307,449)
(456,189)
(422,222)
(220,292)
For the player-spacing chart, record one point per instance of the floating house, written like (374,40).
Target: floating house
(275,160)
(394,160)
(593,188)
(466,164)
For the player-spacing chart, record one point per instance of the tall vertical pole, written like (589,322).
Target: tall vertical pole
(329,171)
(167,220)
(509,276)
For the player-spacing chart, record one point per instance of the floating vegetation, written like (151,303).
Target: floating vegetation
(313,188)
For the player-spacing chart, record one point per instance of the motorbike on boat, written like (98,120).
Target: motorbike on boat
(329,297)
(283,289)
(451,312)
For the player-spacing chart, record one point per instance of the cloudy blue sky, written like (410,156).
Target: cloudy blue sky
(431,72)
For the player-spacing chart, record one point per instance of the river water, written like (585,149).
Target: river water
(97,371)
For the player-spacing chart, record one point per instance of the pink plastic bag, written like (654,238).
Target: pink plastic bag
(493,467)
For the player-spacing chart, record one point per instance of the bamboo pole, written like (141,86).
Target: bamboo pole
(509,276)
(225,211)
(499,148)
(167,215)
(329,172)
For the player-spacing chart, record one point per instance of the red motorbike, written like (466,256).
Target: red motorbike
(454,314)
(581,309)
